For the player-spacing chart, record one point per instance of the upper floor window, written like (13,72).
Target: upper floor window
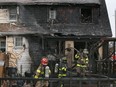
(18,41)
(12,14)
(52,14)
(86,15)
(8,15)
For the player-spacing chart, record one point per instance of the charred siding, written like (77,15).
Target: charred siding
(68,19)
(35,50)
(65,14)
(33,14)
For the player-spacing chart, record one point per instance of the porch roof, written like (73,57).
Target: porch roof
(15,29)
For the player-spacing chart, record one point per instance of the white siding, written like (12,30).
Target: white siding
(24,61)
(21,58)
(4,16)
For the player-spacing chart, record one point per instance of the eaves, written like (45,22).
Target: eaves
(48,2)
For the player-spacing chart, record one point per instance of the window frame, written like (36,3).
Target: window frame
(4,45)
(91,21)
(16,43)
(13,12)
(52,14)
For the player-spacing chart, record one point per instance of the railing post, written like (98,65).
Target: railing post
(0,82)
(80,83)
(98,84)
(70,82)
(51,83)
(60,83)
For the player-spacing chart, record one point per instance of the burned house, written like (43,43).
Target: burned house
(32,29)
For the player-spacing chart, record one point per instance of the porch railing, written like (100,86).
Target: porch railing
(56,82)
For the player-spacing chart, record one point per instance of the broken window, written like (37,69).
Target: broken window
(18,41)
(86,15)
(52,14)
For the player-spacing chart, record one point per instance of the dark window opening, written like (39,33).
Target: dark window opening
(51,47)
(2,46)
(86,15)
(79,46)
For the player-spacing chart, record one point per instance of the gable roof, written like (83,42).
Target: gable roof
(101,29)
(50,1)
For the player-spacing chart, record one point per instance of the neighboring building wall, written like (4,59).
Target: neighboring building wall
(20,57)
(25,57)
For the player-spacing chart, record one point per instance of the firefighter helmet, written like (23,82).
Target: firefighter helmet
(44,61)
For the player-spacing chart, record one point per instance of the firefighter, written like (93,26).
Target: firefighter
(81,63)
(85,63)
(62,70)
(77,56)
(42,71)
(77,63)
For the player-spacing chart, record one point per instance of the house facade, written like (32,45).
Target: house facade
(32,29)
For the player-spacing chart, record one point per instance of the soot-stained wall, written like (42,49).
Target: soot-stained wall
(35,50)
(68,19)
(64,14)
